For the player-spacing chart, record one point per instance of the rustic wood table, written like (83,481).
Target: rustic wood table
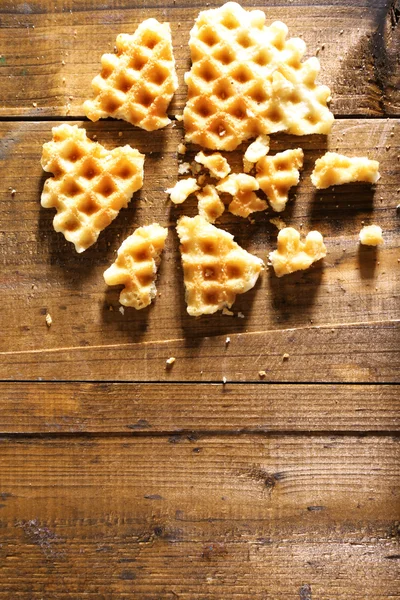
(121,479)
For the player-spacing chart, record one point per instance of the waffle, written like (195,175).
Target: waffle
(136,265)
(90,184)
(215,163)
(215,268)
(293,254)
(277,174)
(247,79)
(241,186)
(137,83)
(371,235)
(336,169)
(209,204)
(182,190)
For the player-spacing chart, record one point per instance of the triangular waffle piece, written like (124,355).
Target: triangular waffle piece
(136,265)
(90,184)
(209,205)
(247,79)
(337,169)
(241,186)
(137,83)
(215,268)
(277,174)
(293,254)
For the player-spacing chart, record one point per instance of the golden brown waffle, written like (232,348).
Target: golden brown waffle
(336,169)
(209,204)
(136,265)
(247,79)
(277,174)
(137,83)
(215,163)
(293,254)
(90,184)
(215,268)
(241,186)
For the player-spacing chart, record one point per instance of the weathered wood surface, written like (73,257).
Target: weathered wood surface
(51,49)
(41,272)
(158,408)
(227,517)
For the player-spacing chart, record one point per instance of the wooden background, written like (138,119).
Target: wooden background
(121,479)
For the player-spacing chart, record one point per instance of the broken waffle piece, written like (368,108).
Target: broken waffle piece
(138,81)
(242,186)
(256,150)
(293,254)
(215,267)
(215,163)
(182,190)
(277,174)
(371,235)
(136,266)
(90,184)
(337,169)
(209,204)
(247,79)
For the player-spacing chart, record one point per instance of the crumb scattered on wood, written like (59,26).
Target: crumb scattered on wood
(262,374)
(240,315)
(122,310)
(170,361)
(227,312)
(224,380)
(227,341)
(285,356)
(49,320)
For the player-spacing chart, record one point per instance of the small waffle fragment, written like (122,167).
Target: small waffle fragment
(336,169)
(277,174)
(247,79)
(371,235)
(137,83)
(293,254)
(90,184)
(215,163)
(258,149)
(136,265)
(215,268)
(209,204)
(182,190)
(241,186)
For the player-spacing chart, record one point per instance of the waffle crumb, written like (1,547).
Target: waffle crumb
(209,203)
(227,341)
(285,356)
(227,312)
(371,235)
(138,81)
(181,148)
(136,266)
(215,163)
(170,361)
(337,169)
(215,267)
(256,150)
(242,187)
(248,79)
(90,184)
(49,320)
(262,374)
(224,380)
(293,254)
(184,168)
(182,190)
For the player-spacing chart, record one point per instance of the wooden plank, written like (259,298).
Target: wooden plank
(229,517)
(41,272)
(158,408)
(359,353)
(56,48)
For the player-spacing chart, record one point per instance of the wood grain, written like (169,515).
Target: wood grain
(158,408)
(41,272)
(232,517)
(56,48)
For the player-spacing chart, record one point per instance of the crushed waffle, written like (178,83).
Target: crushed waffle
(337,169)
(371,235)
(247,79)
(136,266)
(215,163)
(215,268)
(242,187)
(90,184)
(256,150)
(182,190)
(277,174)
(209,204)
(293,254)
(137,83)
